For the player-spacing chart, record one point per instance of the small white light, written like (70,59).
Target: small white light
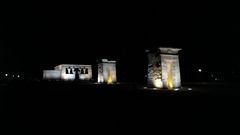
(199,70)
(12,75)
(189,89)
(144,87)
(6,74)
(18,76)
(176,89)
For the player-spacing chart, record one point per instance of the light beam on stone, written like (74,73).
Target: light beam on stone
(170,76)
(110,80)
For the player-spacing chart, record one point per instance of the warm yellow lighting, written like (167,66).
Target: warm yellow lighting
(170,84)
(158,83)
(170,76)
(110,80)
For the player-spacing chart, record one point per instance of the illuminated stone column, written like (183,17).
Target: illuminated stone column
(154,75)
(163,68)
(170,68)
(107,71)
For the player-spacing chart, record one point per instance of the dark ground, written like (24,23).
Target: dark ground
(69,108)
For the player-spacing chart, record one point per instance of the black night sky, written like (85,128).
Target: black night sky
(37,36)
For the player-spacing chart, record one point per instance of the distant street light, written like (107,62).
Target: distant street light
(199,70)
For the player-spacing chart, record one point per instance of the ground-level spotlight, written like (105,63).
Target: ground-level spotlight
(145,87)
(158,83)
(176,89)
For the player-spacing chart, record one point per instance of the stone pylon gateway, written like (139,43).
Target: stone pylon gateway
(164,68)
(107,71)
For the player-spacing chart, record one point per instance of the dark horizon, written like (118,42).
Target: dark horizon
(40,36)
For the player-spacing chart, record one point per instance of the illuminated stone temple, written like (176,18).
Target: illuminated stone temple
(69,72)
(163,68)
(107,71)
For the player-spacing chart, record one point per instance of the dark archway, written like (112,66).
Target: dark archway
(66,71)
(82,71)
(71,70)
(76,74)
